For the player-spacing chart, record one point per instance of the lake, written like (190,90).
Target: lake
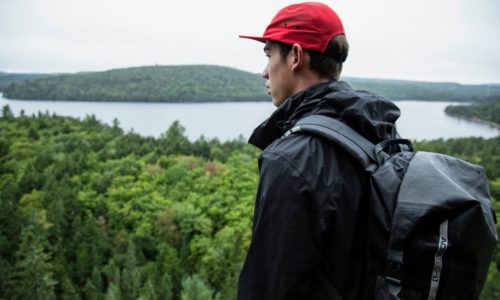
(419,120)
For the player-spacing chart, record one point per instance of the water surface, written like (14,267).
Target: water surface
(420,119)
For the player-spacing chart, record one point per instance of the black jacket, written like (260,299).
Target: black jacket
(309,210)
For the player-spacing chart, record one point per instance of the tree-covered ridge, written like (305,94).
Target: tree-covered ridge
(205,83)
(487,111)
(418,90)
(90,212)
(196,83)
(7,78)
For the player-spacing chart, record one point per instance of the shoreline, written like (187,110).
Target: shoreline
(139,102)
(475,120)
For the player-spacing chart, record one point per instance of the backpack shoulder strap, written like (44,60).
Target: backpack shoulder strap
(356,146)
(338,132)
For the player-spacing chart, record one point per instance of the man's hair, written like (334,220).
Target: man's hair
(328,64)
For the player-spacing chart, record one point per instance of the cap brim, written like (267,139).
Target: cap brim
(257,38)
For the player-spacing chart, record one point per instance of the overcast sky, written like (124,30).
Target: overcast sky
(430,40)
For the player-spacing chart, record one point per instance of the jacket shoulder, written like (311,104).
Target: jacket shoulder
(323,165)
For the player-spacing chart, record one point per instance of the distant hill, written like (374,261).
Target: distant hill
(205,83)
(7,78)
(196,83)
(419,90)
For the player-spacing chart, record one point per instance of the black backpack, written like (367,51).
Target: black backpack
(431,229)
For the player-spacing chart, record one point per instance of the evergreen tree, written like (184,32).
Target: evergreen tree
(32,277)
(174,140)
(33,134)
(68,290)
(193,288)
(112,272)
(7,113)
(10,227)
(94,289)
(114,293)
(165,287)
(91,292)
(148,291)
(4,149)
(131,277)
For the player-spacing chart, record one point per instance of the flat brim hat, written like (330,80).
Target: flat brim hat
(311,25)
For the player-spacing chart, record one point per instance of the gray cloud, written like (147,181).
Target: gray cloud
(446,40)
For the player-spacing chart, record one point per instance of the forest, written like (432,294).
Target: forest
(191,83)
(207,83)
(428,91)
(88,211)
(488,111)
(7,78)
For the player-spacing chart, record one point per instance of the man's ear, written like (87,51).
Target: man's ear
(297,57)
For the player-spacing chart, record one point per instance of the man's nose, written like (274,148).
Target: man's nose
(265,72)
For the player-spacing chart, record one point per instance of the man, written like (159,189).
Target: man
(310,211)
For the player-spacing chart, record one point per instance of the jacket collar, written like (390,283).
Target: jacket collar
(370,114)
(284,117)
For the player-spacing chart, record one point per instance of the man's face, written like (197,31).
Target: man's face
(279,75)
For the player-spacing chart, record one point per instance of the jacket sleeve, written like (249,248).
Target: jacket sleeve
(285,247)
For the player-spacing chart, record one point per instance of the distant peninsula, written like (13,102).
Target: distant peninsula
(486,112)
(207,83)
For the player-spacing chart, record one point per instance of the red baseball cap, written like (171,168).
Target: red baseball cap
(310,24)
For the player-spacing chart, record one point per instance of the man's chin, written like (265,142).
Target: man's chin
(278,102)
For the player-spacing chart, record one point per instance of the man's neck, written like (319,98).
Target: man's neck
(307,81)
